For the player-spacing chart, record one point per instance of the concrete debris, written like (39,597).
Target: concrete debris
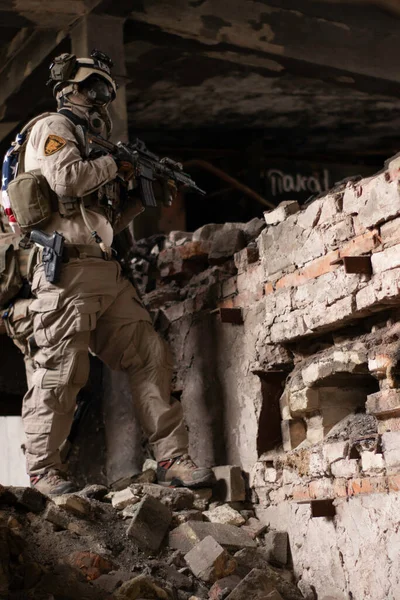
(254,527)
(283,210)
(224,514)
(150,523)
(128,557)
(209,561)
(187,535)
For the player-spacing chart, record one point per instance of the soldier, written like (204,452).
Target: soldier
(93,306)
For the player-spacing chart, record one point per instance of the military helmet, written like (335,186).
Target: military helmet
(68,69)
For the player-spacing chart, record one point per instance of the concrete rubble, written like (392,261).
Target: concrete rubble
(79,546)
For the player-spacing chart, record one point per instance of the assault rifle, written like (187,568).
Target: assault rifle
(148,166)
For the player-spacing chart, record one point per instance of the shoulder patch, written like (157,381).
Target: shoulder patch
(53,144)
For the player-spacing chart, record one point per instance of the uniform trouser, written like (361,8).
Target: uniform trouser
(94,307)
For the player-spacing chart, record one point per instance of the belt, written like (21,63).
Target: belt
(83,251)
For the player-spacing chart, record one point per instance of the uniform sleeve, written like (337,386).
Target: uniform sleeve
(58,154)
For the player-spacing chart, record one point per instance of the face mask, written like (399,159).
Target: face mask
(100,122)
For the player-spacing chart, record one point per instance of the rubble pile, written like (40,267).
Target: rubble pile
(286,342)
(144,541)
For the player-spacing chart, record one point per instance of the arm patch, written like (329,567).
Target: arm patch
(53,144)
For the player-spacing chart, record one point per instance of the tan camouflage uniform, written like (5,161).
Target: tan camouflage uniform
(92,307)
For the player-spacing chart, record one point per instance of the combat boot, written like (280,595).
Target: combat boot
(52,483)
(181,471)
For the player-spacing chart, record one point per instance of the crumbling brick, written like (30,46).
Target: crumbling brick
(304,401)
(124,498)
(254,527)
(174,498)
(225,244)
(209,561)
(91,565)
(281,212)
(255,586)
(74,504)
(391,448)
(230,485)
(202,497)
(345,468)
(56,515)
(372,462)
(384,404)
(276,547)
(223,587)
(224,514)
(187,535)
(150,523)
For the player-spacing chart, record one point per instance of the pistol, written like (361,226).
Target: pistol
(53,250)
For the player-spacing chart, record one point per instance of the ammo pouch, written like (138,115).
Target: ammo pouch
(10,276)
(32,200)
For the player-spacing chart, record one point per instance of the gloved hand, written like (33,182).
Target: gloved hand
(125,170)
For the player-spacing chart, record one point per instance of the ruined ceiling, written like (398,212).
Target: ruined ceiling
(310,77)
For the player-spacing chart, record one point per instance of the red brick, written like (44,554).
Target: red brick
(394,483)
(366,485)
(227,303)
(361,244)
(91,565)
(314,269)
(268,288)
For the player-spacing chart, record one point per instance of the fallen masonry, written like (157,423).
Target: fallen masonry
(82,546)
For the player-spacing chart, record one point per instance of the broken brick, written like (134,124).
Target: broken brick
(149,523)
(222,587)
(209,561)
(225,244)
(56,515)
(254,527)
(255,586)
(189,534)
(124,498)
(91,565)
(224,514)
(276,547)
(74,504)
(230,485)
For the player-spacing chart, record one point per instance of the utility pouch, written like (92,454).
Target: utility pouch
(10,276)
(31,199)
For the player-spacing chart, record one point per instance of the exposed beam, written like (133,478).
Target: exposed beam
(283,35)
(38,46)
(391,6)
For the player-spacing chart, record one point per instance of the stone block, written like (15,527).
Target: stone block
(224,514)
(209,561)
(150,523)
(124,498)
(245,258)
(390,232)
(206,232)
(56,515)
(304,401)
(230,486)
(315,428)
(254,527)
(257,585)
(371,462)
(391,448)
(384,404)
(385,260)
(294,432)
(225,244)
(340,232)
(283,210)
(253,228)
(276,547)
(331,206)
(29,498)
(382,201)
(309,217)
(189,534)
(345,468)
(74,504)
(174,498)
(334,451)
(229,287)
